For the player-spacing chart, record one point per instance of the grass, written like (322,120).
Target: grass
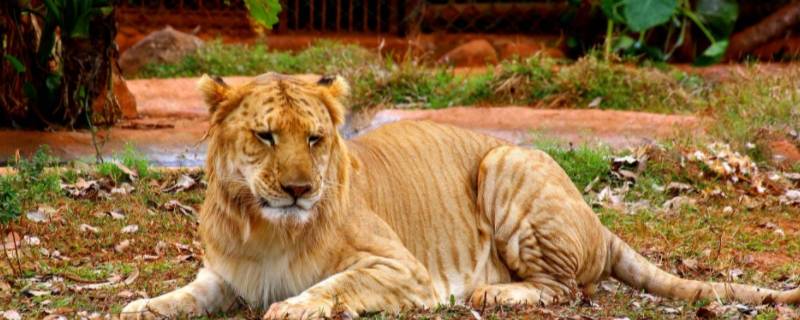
(717,239)
(753,107)
(383,80)
(33,180)
(749,107)
(582,164)
(130,159)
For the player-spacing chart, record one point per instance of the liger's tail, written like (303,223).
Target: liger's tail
(631,268)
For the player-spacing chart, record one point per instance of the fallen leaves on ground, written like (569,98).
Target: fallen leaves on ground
(178,207)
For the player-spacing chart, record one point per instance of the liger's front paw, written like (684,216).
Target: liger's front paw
(298,310)
(139,309)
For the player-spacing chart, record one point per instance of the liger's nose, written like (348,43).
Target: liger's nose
(296,191)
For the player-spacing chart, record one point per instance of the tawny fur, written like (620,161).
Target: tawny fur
(403,217)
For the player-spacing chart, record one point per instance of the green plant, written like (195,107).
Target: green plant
(33,179)
(10,209)
(264,12)
(130,159)
(714,18)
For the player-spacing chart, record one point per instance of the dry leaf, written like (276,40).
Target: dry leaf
(790,197)
(676,188)
(671,311)
(113,282)
(120,247)
(184,183)
(183,258)
(31,240)
(87,228)
(13,241)
(690,264)
(678,202)
(706,313)
(124,189)
(595,103)
(82,188)
(727,210)
(5,289)
(176,206)
(131,228)
(116,214)
(160,247)
(735,273)
(11,315)
(42,214)
(132,175)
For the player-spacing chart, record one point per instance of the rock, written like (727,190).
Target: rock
(164,46)
(524,50)
(473,53)
(784,153)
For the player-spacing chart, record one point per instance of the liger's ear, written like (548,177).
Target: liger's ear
(337,89)
(336,86)
(214,91)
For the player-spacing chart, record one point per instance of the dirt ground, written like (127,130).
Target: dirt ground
(173,119)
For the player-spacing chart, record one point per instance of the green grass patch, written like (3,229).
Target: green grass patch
(131,159)
(582,163)
(34,181)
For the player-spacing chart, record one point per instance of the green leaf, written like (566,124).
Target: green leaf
(712,54)
(82,17)
(106,10)
(624,43)
(30,92)
(641,15)
(10,208)
(47,41)
(265,12)
(611,9)
(53,82)
(718,15)
(54,10)
(18,66)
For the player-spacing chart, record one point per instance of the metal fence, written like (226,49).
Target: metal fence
(381,17)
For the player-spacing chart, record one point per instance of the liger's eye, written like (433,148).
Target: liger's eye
(313,139)
(266,136)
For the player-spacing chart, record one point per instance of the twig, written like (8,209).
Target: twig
(17,247)
(5,252)
(93,130)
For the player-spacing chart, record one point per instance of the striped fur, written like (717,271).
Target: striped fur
(402,217)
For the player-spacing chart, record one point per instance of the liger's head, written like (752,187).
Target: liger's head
(272,141)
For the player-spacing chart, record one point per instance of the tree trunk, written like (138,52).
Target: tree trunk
(55,90)
(88,65)
(773,25)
